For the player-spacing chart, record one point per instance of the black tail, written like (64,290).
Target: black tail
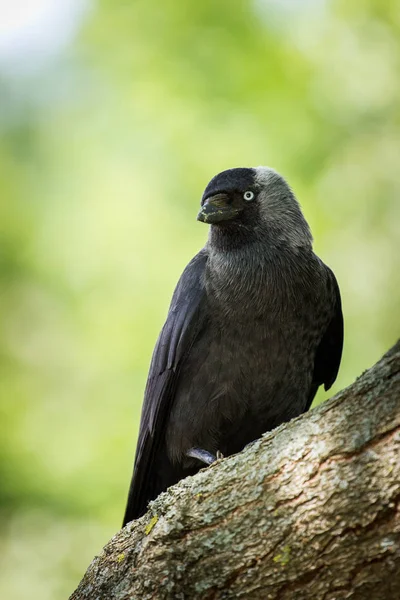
(148,481)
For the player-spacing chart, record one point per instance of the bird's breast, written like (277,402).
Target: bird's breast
(261,285)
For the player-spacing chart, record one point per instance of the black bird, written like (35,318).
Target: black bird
(254,327)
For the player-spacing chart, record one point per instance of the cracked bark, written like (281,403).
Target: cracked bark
(310,511)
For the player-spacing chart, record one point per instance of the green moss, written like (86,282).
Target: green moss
(150,524)
(120,557)
(284,557)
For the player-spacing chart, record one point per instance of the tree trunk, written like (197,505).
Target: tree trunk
(310,511)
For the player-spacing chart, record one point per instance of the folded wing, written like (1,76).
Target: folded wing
(185,320)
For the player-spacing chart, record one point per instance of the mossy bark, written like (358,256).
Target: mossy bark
(310,511)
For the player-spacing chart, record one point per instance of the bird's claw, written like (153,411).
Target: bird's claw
(203,455)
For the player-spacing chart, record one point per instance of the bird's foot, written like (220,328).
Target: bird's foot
(203,455)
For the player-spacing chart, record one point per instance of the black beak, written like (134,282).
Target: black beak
(216,209)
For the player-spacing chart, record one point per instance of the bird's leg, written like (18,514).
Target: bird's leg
(203,455)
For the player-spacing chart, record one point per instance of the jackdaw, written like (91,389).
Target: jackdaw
(254,327)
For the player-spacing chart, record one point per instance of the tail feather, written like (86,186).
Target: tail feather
(148,481)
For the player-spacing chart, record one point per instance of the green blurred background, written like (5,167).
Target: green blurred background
(113,117)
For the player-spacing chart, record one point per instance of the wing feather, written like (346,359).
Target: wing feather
(329,351)
(186,318)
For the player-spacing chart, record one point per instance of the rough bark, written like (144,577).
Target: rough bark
(310,511)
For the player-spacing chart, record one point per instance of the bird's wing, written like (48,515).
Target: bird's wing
(329,351)
(184,322)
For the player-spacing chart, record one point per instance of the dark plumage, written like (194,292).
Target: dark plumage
(254,327)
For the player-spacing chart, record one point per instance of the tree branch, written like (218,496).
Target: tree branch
(310,511)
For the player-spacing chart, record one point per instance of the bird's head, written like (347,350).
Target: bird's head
(256,199)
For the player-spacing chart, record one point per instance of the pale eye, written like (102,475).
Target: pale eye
(248,196)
